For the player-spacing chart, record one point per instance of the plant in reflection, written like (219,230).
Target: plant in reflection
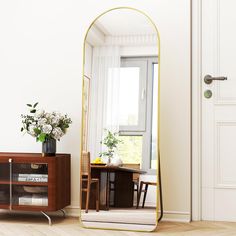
(110,141)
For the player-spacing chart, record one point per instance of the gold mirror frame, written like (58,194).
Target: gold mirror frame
(159,185)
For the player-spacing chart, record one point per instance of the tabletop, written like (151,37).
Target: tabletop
(117,168)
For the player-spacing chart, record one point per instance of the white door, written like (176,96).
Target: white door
(219,111)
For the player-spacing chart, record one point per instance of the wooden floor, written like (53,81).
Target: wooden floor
(27,225)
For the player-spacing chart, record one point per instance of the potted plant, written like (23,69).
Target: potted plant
(45,127)
(111,141)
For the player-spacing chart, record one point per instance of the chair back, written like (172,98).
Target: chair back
(85,164)
(132,166)
(136,167)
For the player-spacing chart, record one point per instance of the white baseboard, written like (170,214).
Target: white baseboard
(176,216)
(73,211)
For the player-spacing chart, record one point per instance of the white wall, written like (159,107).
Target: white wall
(41,48)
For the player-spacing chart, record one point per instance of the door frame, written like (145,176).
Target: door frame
(196,165)
(197,96)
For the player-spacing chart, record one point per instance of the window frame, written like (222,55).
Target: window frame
(146,164)
(145,131)
(142,64)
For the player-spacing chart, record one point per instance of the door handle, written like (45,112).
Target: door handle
(208,78)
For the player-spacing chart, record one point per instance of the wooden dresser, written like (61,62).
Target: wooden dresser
(30,182)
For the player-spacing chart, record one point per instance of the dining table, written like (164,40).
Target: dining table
(116,186)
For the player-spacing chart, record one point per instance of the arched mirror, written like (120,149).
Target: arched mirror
(120,185)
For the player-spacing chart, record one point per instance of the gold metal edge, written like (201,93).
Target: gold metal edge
(158,126)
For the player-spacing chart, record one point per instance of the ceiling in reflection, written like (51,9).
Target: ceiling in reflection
(124,22)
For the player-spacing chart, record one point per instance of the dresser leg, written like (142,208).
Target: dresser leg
(49,219)
(63,212)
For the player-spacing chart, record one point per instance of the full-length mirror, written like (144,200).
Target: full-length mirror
(119,160)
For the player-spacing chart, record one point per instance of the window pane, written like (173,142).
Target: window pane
(129,99)
(130,149)
(154,118)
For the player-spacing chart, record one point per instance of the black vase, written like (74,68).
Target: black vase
(49,147)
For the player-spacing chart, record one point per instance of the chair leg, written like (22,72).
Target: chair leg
(139,194)
(97,196)
(87,197)
(145,194)
(137,190)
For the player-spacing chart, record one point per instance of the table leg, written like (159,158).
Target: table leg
(108,191)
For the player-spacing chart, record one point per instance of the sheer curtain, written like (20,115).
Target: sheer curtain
(104,98)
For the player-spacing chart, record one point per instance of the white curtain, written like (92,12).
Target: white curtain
(104,96)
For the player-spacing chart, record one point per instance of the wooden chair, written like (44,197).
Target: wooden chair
(88,181)
(144,191)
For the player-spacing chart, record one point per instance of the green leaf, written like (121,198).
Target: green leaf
(42,137)
(29,105)
(37,131)
(33,111)
(35,105)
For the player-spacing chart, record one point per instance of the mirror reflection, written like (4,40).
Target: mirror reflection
(120,111)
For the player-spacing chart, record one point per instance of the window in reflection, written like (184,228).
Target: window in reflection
(138,111)
(154,116)
(129,101)
(130,149)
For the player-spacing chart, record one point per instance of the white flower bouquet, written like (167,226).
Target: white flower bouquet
(44,125)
